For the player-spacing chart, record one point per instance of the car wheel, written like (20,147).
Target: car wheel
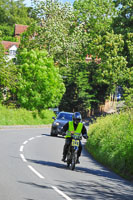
(52,134)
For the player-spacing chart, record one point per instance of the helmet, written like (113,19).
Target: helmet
(77,117)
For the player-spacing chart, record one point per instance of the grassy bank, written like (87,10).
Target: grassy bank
(111,142)
(24,117)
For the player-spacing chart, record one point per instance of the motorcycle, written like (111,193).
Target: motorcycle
(72,151)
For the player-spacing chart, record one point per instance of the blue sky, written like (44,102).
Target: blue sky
(28,2)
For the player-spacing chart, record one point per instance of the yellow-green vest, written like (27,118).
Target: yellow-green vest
(71,128)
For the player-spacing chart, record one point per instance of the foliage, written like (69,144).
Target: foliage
(83,90)
(7,30)
(128,98)
(123,20)
(56,31)
(7,76)
(11,13)
(10,116)
(79,93)
(96,17)
(122,24)
(113,70)
(10,38)
(111,138)
(39,84)
(69,34)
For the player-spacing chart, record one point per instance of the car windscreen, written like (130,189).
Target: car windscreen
(65,116)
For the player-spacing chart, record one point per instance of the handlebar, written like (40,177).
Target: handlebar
(76,137)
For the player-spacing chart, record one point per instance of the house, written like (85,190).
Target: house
(11,47)
(19,29)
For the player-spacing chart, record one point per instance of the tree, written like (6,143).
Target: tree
(11,13)
(96,17)
(122,24)
(69,34)
(78,95)
(123,20)
(113,67)
(7,76)
(56,31)
(39,84)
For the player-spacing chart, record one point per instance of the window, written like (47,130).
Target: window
(12,52)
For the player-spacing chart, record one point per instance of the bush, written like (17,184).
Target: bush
(111,142)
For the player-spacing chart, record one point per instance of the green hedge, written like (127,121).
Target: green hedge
(110,141)
(12,116)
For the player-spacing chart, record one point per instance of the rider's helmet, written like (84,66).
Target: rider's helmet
(77,117)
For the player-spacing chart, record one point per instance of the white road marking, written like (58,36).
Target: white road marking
(31,138)
(21,148)
(25,142)
(61,193)
(37,173)
(23,158)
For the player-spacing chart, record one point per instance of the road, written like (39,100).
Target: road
(31,169)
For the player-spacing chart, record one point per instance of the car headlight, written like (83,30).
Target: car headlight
(56,123)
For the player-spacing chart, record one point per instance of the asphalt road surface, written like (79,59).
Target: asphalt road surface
(31,169)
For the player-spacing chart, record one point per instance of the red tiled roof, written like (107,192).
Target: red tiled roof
(20,29)
(8,44)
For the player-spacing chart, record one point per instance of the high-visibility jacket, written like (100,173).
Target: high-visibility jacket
(71,129)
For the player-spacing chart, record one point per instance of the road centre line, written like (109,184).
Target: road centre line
(23,158)
(61,193)
(37,173)
(25,142)
(31,138)
(21,148)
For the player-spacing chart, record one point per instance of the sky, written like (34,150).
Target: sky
(28,2)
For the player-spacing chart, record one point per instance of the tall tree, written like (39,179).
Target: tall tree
(57,31)
(96,17)
(39,84)
(123,25)
(69,34)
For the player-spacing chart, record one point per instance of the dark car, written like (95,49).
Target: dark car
(61,119)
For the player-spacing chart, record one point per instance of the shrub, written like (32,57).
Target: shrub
(111,142)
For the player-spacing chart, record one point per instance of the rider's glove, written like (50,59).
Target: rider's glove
(85,136)
(63,133)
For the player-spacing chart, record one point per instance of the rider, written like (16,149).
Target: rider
(74,126)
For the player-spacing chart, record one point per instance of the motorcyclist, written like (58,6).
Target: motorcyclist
(74,126)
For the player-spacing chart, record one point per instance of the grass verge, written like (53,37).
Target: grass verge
(23,117)
(110,142)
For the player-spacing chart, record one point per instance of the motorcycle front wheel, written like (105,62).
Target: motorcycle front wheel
(72,165)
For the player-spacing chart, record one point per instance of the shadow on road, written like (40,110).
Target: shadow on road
(47,163)
(94,190)
(90,190)
(59,136)
(97,172)
(35,185)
